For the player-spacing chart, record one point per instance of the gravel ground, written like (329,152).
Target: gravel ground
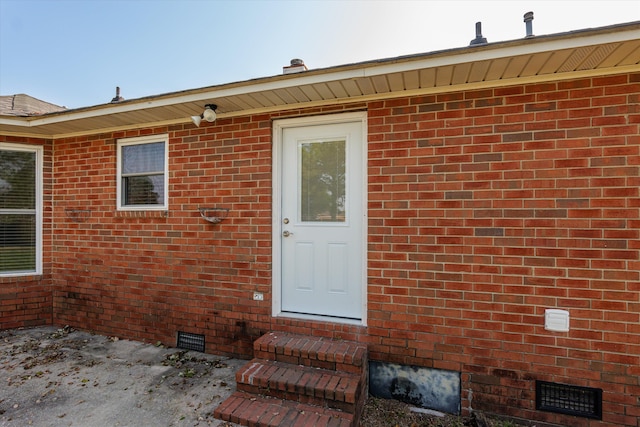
(392,413)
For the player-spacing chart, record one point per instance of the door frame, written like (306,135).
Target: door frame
(276,213)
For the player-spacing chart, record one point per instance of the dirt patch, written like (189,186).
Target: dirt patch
(393,413)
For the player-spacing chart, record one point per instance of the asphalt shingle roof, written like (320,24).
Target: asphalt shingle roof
(25,105)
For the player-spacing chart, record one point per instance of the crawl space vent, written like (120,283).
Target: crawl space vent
(189,341)
(567,399)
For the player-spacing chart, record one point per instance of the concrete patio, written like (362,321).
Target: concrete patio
(63,377)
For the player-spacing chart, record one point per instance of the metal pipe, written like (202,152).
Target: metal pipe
(479,39)
(528,19)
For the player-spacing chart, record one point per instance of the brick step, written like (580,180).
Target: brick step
(338,390)
(318,352)
(299,381)
(260,411)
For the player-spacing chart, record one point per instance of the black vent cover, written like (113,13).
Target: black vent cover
(189,341)
(568,399)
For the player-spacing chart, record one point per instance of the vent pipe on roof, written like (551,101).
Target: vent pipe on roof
(479,40)
(117,98)
(297,66)
(528,19)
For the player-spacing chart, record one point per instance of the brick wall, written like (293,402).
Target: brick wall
(488,207)
(147,275)
(26,300)
(485,208)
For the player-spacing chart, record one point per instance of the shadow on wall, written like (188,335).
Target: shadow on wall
(424,387)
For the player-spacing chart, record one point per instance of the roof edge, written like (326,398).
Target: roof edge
(619,33)
(633,28)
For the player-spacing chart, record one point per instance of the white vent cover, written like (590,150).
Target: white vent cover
(556,320)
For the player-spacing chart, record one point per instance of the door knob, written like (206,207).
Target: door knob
(287,233)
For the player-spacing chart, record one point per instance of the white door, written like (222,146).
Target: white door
(322,220)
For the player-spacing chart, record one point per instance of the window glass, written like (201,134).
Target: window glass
(142,183)
(143,158)
(17,243)
(144,190)
(17,179)
(18,210)
(322,187)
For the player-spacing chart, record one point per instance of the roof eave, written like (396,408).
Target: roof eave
(83,120)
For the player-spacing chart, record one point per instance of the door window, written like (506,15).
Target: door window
(322,181)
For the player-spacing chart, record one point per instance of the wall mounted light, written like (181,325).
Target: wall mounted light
(209,115)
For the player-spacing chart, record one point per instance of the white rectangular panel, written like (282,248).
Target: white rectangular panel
(303,264)
(337,268)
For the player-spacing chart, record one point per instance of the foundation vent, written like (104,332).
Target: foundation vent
(187,341)
(567,399)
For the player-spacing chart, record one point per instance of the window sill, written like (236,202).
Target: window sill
(142,214)
(22,277)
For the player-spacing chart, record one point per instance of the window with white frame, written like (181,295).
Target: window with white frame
(143,173)
(20,209)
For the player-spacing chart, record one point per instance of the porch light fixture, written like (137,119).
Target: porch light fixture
(209,115)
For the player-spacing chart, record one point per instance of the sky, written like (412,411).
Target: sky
(75,52)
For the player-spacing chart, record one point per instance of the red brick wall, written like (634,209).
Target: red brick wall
(146,275)
(26,300)
(485,208)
